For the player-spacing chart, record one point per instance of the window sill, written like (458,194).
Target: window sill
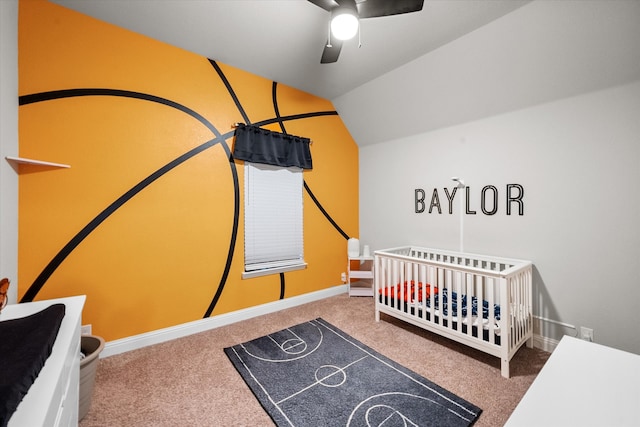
(269,271)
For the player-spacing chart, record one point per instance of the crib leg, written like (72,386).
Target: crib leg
(377,315)
(505,368)
(530,342)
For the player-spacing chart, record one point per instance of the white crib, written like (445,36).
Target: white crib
(481,301)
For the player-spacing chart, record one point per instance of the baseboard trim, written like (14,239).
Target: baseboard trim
(544,343)
(135,342)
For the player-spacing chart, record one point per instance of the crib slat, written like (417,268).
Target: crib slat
(471,290)
(479,294)
(433,280)
(422,278)
(491,303)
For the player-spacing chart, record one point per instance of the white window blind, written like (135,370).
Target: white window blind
(273,229)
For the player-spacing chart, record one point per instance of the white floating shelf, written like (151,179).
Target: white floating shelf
(25,161)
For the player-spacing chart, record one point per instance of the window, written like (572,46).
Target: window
(273,224)
(273,183)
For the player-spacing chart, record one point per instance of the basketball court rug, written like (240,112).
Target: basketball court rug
(313,374)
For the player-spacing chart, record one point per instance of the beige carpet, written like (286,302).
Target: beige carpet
(190,381)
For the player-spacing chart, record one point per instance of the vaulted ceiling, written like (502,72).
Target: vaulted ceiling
(453,62)
(282,40)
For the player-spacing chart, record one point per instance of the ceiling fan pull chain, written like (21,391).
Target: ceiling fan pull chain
(359,38)
(329,34)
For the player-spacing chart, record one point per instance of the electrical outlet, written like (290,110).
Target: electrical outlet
(343,277)
(85,330)
(586,334)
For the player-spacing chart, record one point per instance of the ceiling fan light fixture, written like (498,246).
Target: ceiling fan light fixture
(344,23)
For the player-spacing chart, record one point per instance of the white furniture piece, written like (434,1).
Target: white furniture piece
(52,399)
(436,290)
(582,384)
(360,276)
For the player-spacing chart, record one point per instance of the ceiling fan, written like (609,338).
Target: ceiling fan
(345,15)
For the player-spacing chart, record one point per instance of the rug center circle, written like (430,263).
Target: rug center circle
(330,376)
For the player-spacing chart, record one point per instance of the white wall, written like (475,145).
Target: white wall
(578,160)
(548,97)
(541,52)
(9,143)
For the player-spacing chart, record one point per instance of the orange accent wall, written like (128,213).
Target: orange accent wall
(159,258)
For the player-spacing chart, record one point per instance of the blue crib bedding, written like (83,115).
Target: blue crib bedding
(443,297)
(442,304)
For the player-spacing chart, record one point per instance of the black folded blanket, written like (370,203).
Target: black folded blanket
(25,345)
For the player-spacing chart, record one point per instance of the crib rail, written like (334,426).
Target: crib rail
(471,262)
(482,301)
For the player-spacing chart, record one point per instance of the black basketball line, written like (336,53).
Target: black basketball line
(276,110)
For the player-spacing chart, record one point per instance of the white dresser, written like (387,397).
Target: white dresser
(52,400)
(582,384)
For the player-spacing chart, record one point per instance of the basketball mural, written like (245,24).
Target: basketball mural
(147,219)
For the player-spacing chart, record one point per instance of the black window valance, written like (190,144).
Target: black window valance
(257,145)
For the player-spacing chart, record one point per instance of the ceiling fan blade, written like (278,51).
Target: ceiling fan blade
(325,4)
(330,54)
(376,8)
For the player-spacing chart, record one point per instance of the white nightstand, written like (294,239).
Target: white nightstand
(360,276)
